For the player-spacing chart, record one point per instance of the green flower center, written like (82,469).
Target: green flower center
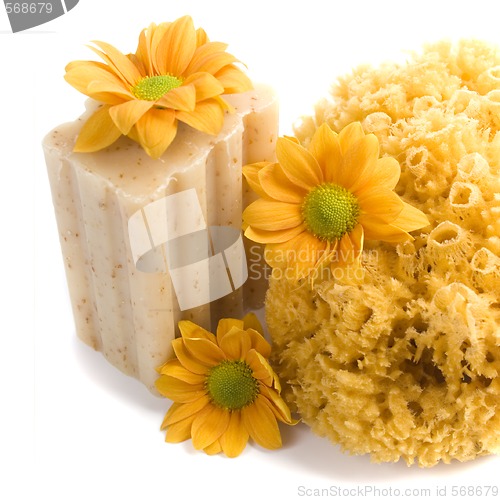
(152,88)
(330,211)
(231,385)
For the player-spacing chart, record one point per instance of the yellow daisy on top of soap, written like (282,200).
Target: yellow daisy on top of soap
(223,388)
(176,74)
(318,204)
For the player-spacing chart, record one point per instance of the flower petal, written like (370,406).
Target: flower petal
(126,115)
(156,130)
(410,219)
(208,426)
(261,370)
(291,138)
(301,254)
(81,74)
(180,411)
(250,320)
(206,85)
(233,80)
(119,62)
(282,236)
(349,136)
(201,37)
(277,185)
(87,71)
(98,132)
(272,215)
(224,104)
(177,47)
(261,424)
(214,448)
(174,368)
(177,390)
(108,93)
(180,431)
(277,404)
(234,440)
(298,164)
(207,117)
(236,343)
(325,147)
(181,99)
(357,238)
(143,51)
(190,330)
(138,64)
(148,45)
(345,250)
(251,173)
(187,359)
(259,343)
(358,162)
(376,229)
(225,325)
(210,58)
(173,407)
(205,351)
(380,202)
(385,173)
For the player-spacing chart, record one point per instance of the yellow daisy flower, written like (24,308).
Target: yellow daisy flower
(318,204)
(224,390)
(176,74)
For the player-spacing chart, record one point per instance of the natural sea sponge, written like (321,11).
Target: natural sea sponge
(404,361)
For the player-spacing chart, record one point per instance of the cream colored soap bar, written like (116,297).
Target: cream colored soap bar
(118,211)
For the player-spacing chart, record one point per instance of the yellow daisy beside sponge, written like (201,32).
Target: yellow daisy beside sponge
(318,204)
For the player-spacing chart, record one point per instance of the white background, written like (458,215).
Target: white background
(71,425)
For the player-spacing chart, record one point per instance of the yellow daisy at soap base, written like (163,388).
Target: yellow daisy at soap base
(317,204)
(176,74)
(223,389)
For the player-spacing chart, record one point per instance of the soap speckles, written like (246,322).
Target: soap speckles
(100,191)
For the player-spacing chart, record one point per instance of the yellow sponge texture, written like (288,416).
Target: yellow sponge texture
(405,362)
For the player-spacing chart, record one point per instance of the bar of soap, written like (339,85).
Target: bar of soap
(124,218)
